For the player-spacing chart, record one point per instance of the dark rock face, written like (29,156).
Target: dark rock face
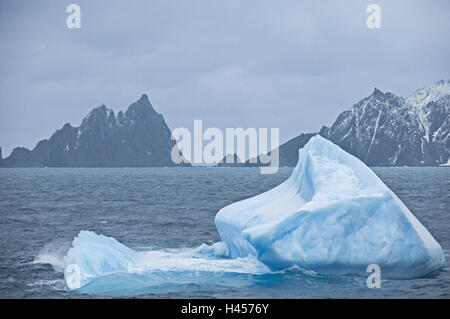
(381,130)
(138,137)
(387,130)
(432,106)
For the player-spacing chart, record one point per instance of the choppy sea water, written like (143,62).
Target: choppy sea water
(168,213)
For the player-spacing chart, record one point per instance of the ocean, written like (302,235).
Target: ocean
(168,213)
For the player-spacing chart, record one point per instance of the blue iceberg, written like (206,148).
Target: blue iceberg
(333,216)
(97,264)
(93,256)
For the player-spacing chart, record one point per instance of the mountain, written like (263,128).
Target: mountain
(432,106)
(382,130)
(288,152)
(387,130)
(230,160)
(138,137)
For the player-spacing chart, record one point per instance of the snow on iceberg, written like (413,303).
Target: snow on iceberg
(333,216)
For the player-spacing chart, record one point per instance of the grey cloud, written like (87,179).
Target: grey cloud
(288,64)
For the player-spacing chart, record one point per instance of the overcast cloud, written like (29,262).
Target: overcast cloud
(289,64)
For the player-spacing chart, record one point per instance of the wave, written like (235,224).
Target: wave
(53,254)
(101,266)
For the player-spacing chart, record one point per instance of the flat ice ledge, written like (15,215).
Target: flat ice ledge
(334,216)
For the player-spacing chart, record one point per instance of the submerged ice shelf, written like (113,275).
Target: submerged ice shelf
(333,216)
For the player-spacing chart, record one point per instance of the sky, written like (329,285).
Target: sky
(294,65)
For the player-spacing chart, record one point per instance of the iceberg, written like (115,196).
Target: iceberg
(334,216)
(93,255)
(98,264)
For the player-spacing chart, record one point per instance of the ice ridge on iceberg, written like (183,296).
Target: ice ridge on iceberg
(333,216)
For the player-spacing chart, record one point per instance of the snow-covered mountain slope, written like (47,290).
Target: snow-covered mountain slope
(423,100)
(386,130)
(432,106)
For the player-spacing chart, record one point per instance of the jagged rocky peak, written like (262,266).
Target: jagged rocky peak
(99,114)
(377,92)
(144,99)
(138,137)
(429,94)
(376,102)
(324,131)
(141,106)
(67,126)
(65,130)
